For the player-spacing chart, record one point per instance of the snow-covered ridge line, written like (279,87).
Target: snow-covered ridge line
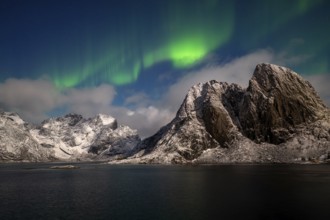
(70,137)
(279,117)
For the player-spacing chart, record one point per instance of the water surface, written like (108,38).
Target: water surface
(98,191)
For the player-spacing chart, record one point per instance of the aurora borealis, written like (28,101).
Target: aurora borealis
(176,32)
(146,46)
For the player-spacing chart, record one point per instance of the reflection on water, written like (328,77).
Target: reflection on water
(95,191)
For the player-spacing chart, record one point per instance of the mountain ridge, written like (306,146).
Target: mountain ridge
(278,118)
(67,138)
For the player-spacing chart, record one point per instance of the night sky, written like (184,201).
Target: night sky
(136,60)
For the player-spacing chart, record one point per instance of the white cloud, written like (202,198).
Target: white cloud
(34,98)
(30,98)
(237,71)
(147,120)
(139,99)
(89,101)
(321,84)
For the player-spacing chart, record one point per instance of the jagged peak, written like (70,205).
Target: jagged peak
(271,79)
(275,69)
(73,119)
(72,115)
(277,101)
(106,120)
(201,89)
(270,76)
(13,116)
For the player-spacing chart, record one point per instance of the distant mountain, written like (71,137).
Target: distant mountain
(278,118)
(64,138)
(16,142)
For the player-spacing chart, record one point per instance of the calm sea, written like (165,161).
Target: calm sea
(96,191)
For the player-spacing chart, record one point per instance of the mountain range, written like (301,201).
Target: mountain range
(70,137)
(278,118)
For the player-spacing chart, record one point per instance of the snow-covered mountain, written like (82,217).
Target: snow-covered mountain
(72,136)
(65,138)
(16,142)
(278,118)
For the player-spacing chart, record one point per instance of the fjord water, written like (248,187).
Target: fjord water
(99,191)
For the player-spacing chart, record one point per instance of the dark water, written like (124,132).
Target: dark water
(32,191)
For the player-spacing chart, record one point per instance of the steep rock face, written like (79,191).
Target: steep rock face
(185,138)
(220,111)
(278,118)
(276,102)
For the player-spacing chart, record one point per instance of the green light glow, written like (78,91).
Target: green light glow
(208,28)
(187,52)
(67,81)
(184,35)
(304,5)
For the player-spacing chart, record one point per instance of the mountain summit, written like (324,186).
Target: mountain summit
(70,137)
(276,102)
(278,118)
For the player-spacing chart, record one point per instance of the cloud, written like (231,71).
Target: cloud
(286,59)
(237,71)
(321,84)
(147,120)
(30,98)
(149,116)
(89,101)
(139,98)
(34,99)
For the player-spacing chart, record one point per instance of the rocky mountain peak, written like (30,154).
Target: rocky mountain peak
(71,119)
(270,76)
(13,117)
(16,143)
(106,120)
(278,118)
(221,122)
(197,95)
(70,137)
(276,102)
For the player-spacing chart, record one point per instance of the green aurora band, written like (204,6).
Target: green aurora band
(183,35)
(181,32)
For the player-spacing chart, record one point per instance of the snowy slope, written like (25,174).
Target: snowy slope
(72,136)
(64,138)
(278,118)
(16,143)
